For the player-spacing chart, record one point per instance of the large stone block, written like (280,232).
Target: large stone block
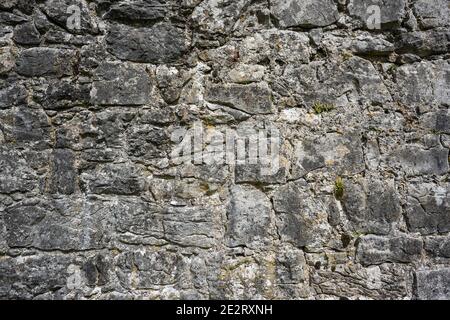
(374,250)
(341,153)
(392,12)
(305,13)
(116,179)
(433,284)
(372,206)
(300,219)
(62,224)
(197,227)
(121,84)
(252,99)
(428,212)
(162,43)
(250,220)
(38,62)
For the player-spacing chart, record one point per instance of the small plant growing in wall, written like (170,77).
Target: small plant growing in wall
(322,107)
(339,188)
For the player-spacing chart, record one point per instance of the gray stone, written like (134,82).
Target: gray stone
(64,173)
(137,11)
(145,270)
(438,247)
(340,153)
(12,96)
(432,14)
(197,227)
(429,213)
(374,250)
(415,160)
(218,16)
(423,43)
(59,225)
(110,89)
(38,62)
(26,34)
(28,277)
(137,220)
(371,206)
(250,221)
(252,98)
(298,217)
(120,179)
(162,43)
(392,11)
(60,11)
(309,13)
(433,284)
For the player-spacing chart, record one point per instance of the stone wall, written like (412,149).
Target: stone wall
(93,207)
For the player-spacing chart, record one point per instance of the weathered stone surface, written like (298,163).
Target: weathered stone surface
(196,227)
(252,99)
(250,220)
(428,211)
(431,14)
(113,179)
(340,153)
(424,83)
(17,172)
(415,160)
(154,268)
(218,16)
(37,62)
(438,246)
(26,34)
(64,173)
(60,12)
(392,11)
(7,60)
(298,217)
(433,284)
(371,206)
(137,11)
(95,204)
(29,277)
(162,43)
(377,250)
(109,88)
(59,225)
(295,13)
(423,43)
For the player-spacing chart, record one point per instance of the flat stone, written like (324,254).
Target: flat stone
(197,227)
(430,212)
(432,14)
(162,43)
(415,160)
(252,99)
(309,13)
(57,225)
(64,173)
(433,284)
(374,250)
(137,11)
(371,206)
(38,62)
(250,221)
(337,152)
(121,179)
(392,11)
(109,87)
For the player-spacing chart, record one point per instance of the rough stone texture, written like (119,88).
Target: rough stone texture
(93,206)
